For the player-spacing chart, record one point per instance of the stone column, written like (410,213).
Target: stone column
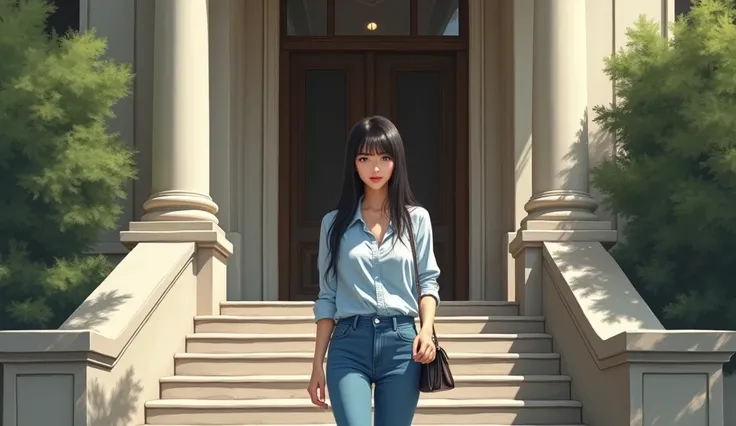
(180,208)
(220,91)
(561,208)
(181,121)
(559,114)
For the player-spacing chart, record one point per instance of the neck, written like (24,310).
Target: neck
(375,199)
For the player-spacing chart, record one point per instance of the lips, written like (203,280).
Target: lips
(376,179)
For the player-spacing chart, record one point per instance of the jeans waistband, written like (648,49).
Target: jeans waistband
(377,321)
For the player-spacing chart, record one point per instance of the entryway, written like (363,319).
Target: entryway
(330,81)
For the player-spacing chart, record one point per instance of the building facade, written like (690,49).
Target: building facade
(239,115)
(288,79)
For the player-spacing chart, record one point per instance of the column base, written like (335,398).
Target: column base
(561,205)
(179,206)
(526,248)
(537,232)
(212,251)
(204,234)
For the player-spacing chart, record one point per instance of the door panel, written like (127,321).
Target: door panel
(417,93)
(327,94)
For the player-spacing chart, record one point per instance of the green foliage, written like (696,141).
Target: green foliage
(674,177)
(61,169)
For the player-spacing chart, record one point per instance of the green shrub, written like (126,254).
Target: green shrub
(673,179)
(61,170)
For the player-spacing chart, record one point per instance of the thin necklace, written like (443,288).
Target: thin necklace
(383,211)
(375,210)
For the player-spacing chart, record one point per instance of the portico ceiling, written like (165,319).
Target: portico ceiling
(392,17)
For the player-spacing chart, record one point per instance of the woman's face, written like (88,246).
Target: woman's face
(374,169)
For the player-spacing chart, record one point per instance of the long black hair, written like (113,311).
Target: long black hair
(373,135)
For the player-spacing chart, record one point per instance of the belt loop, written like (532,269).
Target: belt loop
(393,319)
(355,321)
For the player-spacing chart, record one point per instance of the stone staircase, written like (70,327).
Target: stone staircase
(251,365)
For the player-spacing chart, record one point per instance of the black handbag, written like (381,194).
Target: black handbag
(435,376)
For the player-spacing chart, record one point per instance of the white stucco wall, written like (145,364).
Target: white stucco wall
(729,403)
(115,21)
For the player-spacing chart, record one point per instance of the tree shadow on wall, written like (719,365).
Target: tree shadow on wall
(593,283)
(94,312)
(119,406)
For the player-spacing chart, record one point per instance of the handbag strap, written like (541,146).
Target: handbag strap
(416,280)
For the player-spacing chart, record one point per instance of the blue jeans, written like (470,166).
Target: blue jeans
(367,350)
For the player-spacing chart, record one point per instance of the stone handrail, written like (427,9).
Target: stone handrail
(106,360)
(626,368)
(105,324)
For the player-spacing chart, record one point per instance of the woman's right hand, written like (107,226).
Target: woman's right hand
(317,388)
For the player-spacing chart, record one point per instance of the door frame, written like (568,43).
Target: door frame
(413,44)
(492,165)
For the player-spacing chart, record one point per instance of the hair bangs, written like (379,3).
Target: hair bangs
(376,142)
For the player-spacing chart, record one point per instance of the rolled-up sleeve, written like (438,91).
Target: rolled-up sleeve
(324,306)
(429,271)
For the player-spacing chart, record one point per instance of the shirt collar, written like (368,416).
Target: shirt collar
(358,216)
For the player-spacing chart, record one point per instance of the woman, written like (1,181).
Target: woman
(368,298)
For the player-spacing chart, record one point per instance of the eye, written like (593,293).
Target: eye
(362,159)
(386,158)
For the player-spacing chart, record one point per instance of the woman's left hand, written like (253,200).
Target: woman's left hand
(423,349)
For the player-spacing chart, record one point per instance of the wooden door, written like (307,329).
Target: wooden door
(324,95)
(417,92)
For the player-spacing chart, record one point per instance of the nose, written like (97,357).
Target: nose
(376,169)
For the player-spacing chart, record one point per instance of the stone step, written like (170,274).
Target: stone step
(448,308)
(243,364)
(305,324)
(293,386)
(301,411)
(481,343)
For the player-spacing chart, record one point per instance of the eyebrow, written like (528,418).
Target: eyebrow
(367,154)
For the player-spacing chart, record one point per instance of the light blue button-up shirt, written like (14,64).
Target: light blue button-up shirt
(373,279)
